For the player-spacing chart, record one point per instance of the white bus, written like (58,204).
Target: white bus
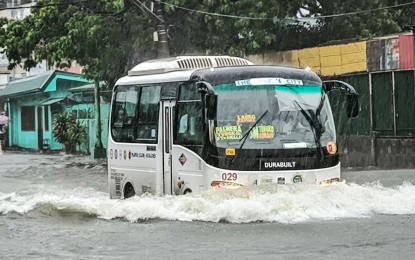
(193,123)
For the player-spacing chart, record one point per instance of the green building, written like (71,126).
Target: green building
(31,103)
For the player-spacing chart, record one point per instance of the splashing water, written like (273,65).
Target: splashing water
(284,204)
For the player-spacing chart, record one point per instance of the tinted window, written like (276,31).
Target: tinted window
(189,121)
(134,115)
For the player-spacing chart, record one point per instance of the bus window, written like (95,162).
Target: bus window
(189,124)
(124,112)
(148,115)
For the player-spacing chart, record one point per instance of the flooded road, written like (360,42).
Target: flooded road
(57,207)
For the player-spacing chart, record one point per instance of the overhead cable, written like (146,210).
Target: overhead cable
(297,18)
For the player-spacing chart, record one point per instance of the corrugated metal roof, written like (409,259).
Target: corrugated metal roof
(27,85)
(51,101)
(85,88)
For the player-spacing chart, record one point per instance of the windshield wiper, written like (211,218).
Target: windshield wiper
(318,129)
(245,136)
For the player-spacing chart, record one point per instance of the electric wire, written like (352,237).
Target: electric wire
(141,6)
(137,2)
(296,18)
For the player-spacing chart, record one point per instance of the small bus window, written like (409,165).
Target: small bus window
(124,113)
(148,114)
(189,122)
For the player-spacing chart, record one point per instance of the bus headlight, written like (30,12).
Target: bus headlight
(225,185)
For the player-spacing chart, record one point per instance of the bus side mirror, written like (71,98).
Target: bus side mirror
(211,106)
(352,106)
(352,103)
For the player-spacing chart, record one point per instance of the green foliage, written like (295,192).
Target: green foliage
(358,26)
(68,131)
(204,33)
(104,36)
(108,37)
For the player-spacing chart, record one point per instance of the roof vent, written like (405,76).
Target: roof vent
(195,63)
(186,63)
(231,61)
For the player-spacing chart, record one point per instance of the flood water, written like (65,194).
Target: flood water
(57,207)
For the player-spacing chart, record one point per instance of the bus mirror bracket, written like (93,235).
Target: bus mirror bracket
(352,102)
(211,104)
(204,87)
(209,97)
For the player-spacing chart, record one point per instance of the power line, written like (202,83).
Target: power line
(137,2)
(298,18)
(216,14)
(141,6)
(365,11)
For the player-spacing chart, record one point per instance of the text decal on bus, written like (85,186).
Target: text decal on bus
(268,81)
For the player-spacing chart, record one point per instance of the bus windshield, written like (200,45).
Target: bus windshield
(279,113)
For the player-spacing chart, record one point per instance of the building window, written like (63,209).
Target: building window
(28,118)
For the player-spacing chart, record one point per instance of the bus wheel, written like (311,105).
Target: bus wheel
(187,191)
(128,191)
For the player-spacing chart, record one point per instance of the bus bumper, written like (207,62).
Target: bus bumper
(233,179)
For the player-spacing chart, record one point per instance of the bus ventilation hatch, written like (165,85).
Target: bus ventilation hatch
(200,62)
(195,63)
(222,62)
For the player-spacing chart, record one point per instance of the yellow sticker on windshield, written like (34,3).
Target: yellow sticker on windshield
(230,151)
(245,119)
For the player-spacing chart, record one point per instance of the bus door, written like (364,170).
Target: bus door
(167,142)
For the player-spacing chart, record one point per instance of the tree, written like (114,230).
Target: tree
(68,132)
(199,30)
(105,37)
(354,26)
(213,34)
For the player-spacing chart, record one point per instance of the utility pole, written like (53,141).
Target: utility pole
(162,43)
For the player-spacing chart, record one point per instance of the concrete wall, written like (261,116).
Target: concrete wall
(356,151)
(394,153)
(379,152)
(326,61)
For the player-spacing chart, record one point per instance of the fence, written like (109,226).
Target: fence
(387,105)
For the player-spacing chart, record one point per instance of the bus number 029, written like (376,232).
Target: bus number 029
(229,176)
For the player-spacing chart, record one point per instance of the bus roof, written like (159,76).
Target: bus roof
(177,68)
(229,74)
(214,69)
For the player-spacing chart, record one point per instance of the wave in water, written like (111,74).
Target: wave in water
(284,204)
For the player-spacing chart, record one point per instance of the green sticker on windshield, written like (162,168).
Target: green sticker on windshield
(262,132)
(223,133)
